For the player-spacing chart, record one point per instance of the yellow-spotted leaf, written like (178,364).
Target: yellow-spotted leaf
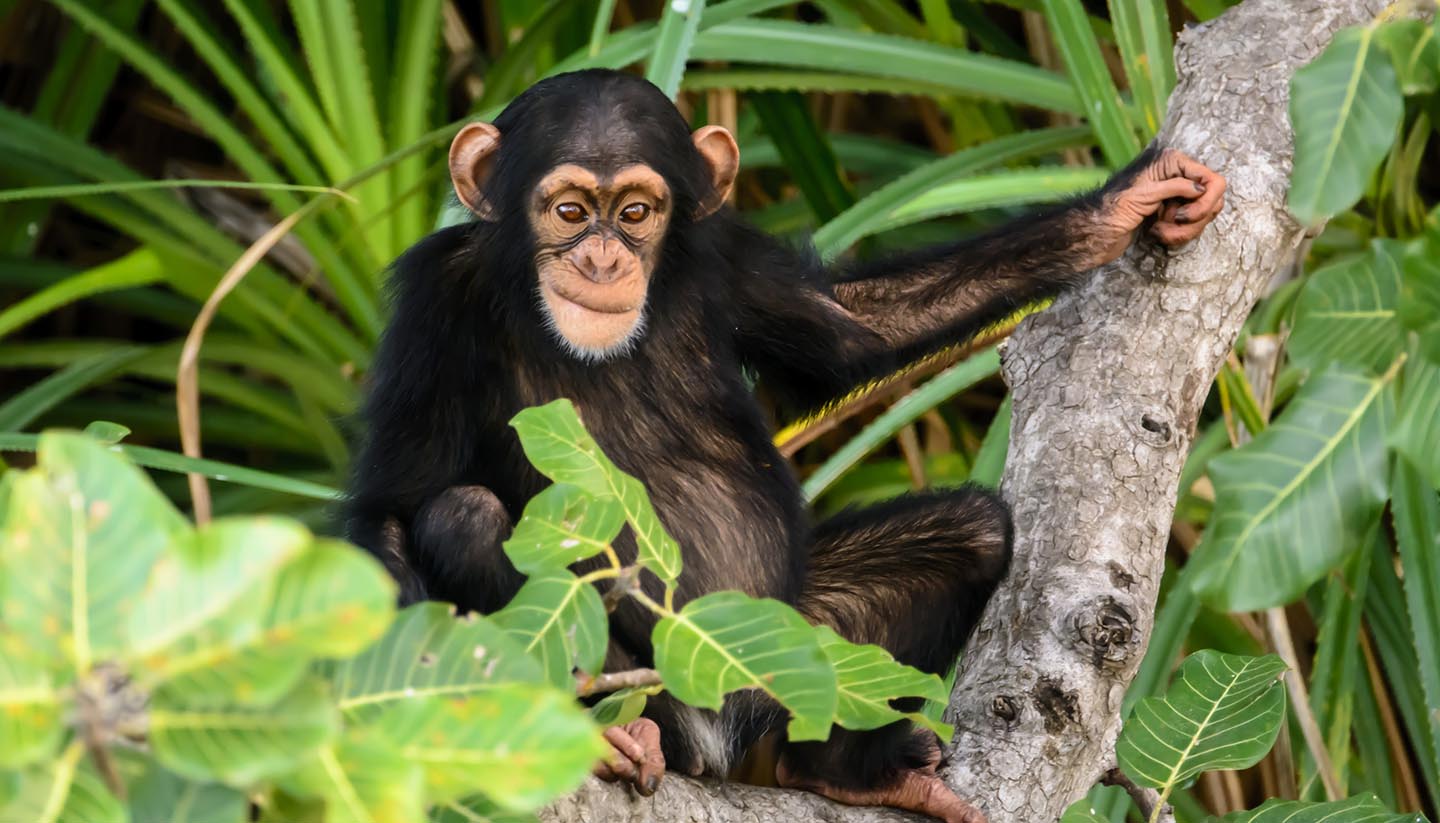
(1292,501)
(1363,808)
(559,620)
(561,525)
(30,724)
(363,779)
(1222,712)
(1345,107)
(520,744)
(727,641)
(477,809)
(428,651)
(66,790)
(331,601)
(238,745)
(556,442)
(867,678)
(82,530)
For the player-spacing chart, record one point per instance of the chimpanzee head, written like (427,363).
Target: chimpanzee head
(601,167)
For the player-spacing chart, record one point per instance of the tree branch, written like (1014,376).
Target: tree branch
(1107,387)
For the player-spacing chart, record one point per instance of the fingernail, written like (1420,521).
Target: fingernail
(652,784)
(1199,188)
(1182,217)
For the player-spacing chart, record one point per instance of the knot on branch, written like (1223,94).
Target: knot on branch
(1105,631)
(1059,708)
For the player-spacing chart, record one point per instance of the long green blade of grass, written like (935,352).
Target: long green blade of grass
(22,409)
(1142,30)
(678,25)
(1071,30)
(138,268)
(1417,531)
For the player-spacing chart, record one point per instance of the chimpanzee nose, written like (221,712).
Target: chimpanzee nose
(602,264)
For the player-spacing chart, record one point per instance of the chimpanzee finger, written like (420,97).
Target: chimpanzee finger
(1153,193)
(603,771)
(1171,234)
(652,764)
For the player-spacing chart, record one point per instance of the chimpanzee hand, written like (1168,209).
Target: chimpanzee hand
(635,756)
(1182,195)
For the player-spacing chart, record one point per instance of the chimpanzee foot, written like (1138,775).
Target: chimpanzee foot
(916,790)
(635,757)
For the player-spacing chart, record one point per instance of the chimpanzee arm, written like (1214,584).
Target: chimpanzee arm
(817,339)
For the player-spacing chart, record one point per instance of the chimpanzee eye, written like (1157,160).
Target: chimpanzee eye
(635,212)
(571,212)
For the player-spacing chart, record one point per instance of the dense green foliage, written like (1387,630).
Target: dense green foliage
(1308,522)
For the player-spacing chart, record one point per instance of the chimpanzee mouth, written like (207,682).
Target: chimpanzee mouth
(588,305)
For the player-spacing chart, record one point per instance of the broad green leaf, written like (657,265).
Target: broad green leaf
(519,743)
(867,678)
(1417,427)
(1415,53)
(83,530)
(1222,712)
(159,796)
(1420,294)
(429,651)
(561,525)
(1292,501)
(619,708)
(65,791)
(560,620)
(1083,811)
(727,641)
(556,442)
(1345,107)
(331,601)
(106,432)
(1347,313)
(30,725)
(1416,507)
(207,573)
(239,745)
(363,779)
(1365,808)
(476,809)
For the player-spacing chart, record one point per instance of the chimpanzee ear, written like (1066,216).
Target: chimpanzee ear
(472,155)
(722,156)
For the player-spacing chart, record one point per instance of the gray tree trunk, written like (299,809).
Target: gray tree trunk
(1107,385)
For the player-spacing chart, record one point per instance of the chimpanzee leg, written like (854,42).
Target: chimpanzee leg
(455,549)
(911,575)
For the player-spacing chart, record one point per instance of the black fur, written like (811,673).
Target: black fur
(442,476)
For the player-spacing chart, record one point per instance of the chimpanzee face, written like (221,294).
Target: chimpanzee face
(596,201)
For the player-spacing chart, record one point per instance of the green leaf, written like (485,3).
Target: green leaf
(83,530)
(1142,32)
(106,432)
(1345,107)
(30,726)
(28,405)
(1416,508)
(139,268)
(678,25)
(332,601)
(804,150)
(159,796)
(429,651)
(240,745)
(1346,313)
(1420,294)
(556,442)
(1222,712)
(561,621)
(1365,808)
(476,809)
(1289,503)
(561,525)
(1070,27)
(363,779)
(519,743)
(867,678)
(65,791)
(727,641)
(1417,428)
(619,708)
(1083,811)
(1414,52)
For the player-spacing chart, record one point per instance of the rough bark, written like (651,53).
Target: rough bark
(1107,387)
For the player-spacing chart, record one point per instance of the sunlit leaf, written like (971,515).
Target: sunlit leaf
(428,651)
(1289,503)
(561,525)
(1345,107)
(476,809)
(867,678)
(66,790)
(239,745)
(560,620)
(363,779)
(619,708)
(1347,313)
(83,530)
(726,641)
(1222,712)
(520,744)
(557,444)
(29,710)
(1365,808)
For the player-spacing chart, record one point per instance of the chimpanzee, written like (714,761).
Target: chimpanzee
(604,266)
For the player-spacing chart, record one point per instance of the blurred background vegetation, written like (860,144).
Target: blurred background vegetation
(863,124)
